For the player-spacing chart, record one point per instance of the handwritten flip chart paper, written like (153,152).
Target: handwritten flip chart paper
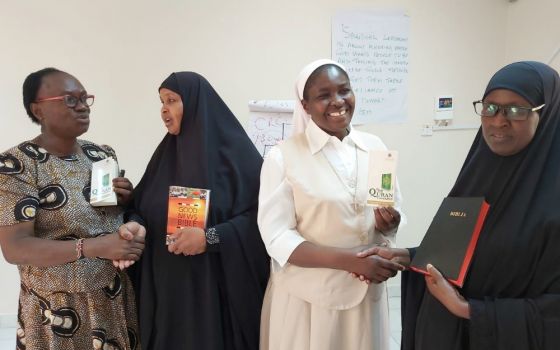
(270,121)
(374,49)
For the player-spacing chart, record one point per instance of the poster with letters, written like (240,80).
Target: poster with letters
(270,121)
(374,48)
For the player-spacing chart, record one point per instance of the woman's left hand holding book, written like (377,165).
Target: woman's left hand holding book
(447,294)
(188,241)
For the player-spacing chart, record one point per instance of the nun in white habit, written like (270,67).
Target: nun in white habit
(313,220)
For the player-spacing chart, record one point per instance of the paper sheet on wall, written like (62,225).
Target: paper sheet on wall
(270,121)
(374,49)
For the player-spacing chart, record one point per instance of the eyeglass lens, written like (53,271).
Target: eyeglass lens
(72,101)
(510,112)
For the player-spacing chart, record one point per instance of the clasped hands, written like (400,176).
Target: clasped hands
(130,242)
(437,285)
(377,267)
(384,263)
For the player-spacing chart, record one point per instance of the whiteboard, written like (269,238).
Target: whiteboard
(270,121)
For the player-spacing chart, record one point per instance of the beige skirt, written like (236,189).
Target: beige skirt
(290,323)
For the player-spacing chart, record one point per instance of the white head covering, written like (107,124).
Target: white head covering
(301,118)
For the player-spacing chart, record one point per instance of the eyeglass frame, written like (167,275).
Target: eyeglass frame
(81,99)
(503,110)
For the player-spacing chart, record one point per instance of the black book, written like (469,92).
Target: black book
(451,238)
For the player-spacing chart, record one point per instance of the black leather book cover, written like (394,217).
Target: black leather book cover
(451,238)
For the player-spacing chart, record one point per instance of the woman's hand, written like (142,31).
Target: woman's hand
(448,295)
(400,256)
(113,247)
(376,269)
(386,219)
(188,241)
(130,231)
(123,188)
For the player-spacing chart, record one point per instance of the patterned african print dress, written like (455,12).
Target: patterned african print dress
(86,304)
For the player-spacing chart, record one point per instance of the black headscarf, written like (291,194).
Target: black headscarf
(211,300)
(513,285)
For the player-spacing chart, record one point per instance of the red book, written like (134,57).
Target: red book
(451,239)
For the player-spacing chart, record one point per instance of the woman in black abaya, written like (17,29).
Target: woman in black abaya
(205,290)
(511,297)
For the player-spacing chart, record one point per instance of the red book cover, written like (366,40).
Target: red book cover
(187,207)
(451,239)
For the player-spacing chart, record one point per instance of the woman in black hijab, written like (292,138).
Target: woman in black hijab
(511,297)
(205,290)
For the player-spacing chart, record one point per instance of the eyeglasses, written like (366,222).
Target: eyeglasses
(71,101)
(484,109)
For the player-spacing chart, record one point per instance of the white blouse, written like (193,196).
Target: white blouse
(276,216)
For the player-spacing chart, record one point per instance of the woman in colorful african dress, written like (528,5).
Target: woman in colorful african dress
(72,295)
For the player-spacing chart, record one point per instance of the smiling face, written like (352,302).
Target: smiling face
(171,110)
(508,137)
(329,99)
(55,117)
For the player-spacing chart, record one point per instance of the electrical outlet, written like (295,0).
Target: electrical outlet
(427,130)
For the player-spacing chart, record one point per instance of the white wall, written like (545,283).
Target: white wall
(253,49)
(533,32)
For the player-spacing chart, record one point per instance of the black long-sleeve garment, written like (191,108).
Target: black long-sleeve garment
(513,285)
(210,301)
